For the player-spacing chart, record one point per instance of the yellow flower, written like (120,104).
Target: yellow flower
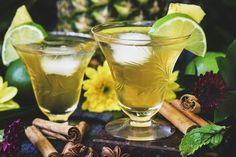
(172,87)
(100,90)
(6,95)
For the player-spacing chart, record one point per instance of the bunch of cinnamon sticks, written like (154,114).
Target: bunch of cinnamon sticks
(72,134)
(182,119)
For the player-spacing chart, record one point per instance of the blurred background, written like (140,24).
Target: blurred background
(80,15)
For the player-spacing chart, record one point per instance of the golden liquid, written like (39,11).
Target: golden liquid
(56,79)
(141,72)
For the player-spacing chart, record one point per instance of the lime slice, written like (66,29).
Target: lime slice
(177,25)
(193,11)
(23,34)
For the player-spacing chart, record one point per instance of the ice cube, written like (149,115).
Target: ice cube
(130,52)
(55,63)
(134,37)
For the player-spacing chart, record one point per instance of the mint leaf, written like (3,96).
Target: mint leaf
(1,135)
(209,129)
(215,140)
(210,135)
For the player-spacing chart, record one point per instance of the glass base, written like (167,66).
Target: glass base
(61,118)
(124,128)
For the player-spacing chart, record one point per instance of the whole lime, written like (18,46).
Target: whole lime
(17,75)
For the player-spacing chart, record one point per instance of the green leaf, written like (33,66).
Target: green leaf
(231,51)
(227,66)
(1,135)
(199,137)
(215,140)
(221,113)
(225,70)
(209,129)
(231,102)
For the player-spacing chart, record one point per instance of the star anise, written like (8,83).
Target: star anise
(116,152)
(79,150)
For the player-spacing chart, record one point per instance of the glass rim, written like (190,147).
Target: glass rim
(159,40)
(52,41)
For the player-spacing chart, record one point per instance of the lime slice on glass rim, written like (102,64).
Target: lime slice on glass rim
(22,34)
(176,25)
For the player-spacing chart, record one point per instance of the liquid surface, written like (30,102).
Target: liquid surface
(56,74)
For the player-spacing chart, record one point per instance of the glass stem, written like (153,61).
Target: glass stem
(135,123)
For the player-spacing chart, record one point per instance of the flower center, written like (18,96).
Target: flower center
(105,89)
(211,92)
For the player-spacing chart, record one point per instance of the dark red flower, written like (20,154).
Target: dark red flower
(210,90)
(12,138)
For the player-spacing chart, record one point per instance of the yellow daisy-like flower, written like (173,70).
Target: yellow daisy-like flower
(100,90)
(6,95)
(172,87)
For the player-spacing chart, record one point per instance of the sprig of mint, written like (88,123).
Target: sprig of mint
(210,135)
(1,135)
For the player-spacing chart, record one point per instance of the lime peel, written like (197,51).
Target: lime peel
(179,25)
(22,34)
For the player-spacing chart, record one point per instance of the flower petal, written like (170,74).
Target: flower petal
(7,94)
(90,72)
(100,90)
(9,105)
(174,76)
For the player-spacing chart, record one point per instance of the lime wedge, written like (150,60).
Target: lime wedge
(177,25)
(23,34)
(191,10)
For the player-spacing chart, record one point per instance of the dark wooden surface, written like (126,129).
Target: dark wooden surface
(167,147)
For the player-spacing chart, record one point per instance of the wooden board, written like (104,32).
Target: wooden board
(167,147)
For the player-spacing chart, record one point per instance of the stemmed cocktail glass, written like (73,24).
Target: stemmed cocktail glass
(56,67)
(141,66)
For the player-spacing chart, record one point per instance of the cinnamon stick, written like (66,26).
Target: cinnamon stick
(41,142)
(197,119)
(82,126)
(76,149)
(179,120)
(71,133)
(190,103)
(53,134)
